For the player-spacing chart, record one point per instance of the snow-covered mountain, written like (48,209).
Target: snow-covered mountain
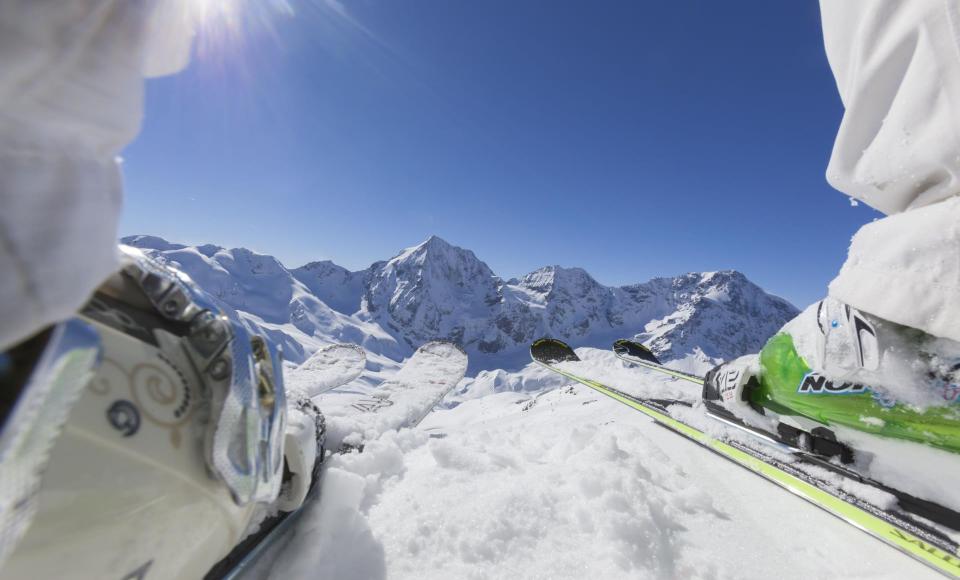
(437,290)
(268,298)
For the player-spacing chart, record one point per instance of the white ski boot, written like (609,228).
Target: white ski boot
(148,439)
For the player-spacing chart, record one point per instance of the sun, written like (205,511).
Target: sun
(215,12)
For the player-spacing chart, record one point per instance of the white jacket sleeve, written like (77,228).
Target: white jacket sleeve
(71,84)
(897,67)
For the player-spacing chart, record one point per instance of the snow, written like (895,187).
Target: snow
(873,421)
(541,478)
(922,471)
(336,286)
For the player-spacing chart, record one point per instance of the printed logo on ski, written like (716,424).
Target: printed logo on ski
(816,384)
(947,558)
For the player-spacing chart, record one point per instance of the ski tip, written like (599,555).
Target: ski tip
(441,344)
(624,347)
(346,346)
(551,350)
(326,355)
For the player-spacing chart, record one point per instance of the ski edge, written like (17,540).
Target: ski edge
(902,540)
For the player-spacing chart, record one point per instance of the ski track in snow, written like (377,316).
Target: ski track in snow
(556,481)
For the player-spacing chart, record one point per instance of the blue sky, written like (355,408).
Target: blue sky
(634,139)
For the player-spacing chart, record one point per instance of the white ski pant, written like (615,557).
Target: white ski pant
(71,84)
(897,66)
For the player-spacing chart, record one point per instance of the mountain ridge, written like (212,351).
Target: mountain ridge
(437,290)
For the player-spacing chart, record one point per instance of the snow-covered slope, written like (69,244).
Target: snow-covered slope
(562,482)
(338,287)
(437,290)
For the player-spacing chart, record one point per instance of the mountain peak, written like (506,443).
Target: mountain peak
(549,277)
(429,288)
(320,265)
(435,244)
(436,250)
(150,242)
